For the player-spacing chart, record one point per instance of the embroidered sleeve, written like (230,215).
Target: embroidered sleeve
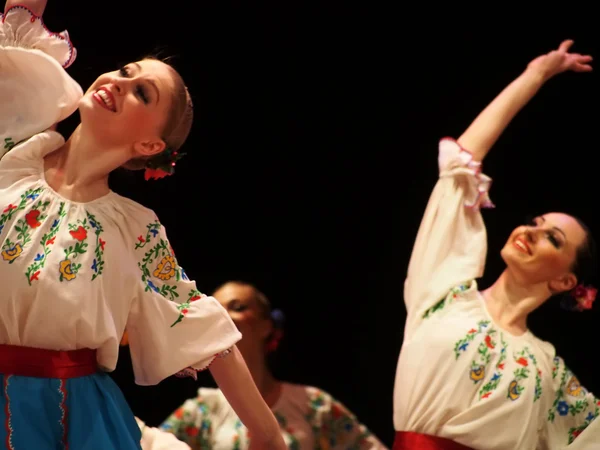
(191,423)
(451,243)
(572,412)
(35,89)
(335,427)
(173,328)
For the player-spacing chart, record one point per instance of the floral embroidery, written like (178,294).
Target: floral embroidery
(67,268)
(576,431)
(34,270)
(477,372)
(183,307)
(166,269)
(291,440)
(98,262)
(515,389)
(463,343)
(452,295)
(33,219)
(491,385)
(8,143)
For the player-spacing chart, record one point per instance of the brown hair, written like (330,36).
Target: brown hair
(179,121)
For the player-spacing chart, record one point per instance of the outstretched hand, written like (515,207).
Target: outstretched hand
(560,60)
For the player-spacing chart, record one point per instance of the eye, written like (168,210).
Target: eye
(236,305)
(553,239)
(124,71)
(141,93)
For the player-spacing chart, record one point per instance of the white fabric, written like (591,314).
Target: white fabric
(155,439)
(309,419)
(459,375)
(75,275)
(35,90)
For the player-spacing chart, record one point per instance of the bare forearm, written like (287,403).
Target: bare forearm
(234,380)
(37,6)
(485,130)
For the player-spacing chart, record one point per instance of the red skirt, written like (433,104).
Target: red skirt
(408,440)
(40,363)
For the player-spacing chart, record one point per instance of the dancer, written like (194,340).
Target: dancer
(309,417)
(79,263)
(470,373)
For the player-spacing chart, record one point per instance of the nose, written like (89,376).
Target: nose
(120,85)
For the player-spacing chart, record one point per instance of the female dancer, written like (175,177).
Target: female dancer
(79,263)
(486,382)
(309,417)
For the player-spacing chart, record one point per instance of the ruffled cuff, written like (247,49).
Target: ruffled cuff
(20,27)
(453,160)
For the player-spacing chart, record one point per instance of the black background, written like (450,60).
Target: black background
(314,151)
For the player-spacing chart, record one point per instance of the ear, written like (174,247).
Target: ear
(563,284)
(148,148)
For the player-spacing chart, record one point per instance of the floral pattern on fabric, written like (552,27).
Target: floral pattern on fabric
(574,408)
(159,266)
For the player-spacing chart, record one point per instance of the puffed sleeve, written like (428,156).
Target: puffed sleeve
(451,243)
(35,89)
(156,439)
(173,328)
(336,428)
(571,421)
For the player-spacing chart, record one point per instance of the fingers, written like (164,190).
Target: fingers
(578,67)
(565,45)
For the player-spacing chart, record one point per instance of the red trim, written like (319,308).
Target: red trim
(408,440)
(40,363)
(64,36)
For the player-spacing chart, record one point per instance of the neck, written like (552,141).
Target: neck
(79,169)
(510,302)
(268,386)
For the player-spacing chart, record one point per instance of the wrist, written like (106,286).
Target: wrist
(537,76)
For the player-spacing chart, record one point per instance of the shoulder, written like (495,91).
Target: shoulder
(31,149)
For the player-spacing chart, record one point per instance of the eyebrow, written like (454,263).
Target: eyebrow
(139,68)
(555,228)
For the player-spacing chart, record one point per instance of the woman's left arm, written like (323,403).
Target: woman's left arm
(485,130)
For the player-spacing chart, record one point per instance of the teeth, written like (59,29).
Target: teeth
(106,99)
(521,245)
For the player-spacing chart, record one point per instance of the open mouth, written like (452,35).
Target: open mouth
(106,99)
(522,245)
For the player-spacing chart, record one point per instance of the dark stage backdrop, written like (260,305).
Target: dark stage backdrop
(313,154)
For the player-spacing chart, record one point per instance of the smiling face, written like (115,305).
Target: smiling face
(130,107)
(250,317)
(545,250)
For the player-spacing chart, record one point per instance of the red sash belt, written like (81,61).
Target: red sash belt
(407,440)
(40,363)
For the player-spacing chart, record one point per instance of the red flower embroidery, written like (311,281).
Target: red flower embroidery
(522,361)
(9,208)
(488,341)
(80,233)
(32,218)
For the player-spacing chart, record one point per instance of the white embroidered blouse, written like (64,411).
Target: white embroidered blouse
(75,275)
(459,375)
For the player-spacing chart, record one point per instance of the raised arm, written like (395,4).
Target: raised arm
(485,130)
(36,6)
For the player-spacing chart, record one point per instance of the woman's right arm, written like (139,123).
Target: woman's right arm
(36,6)
(451,244)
